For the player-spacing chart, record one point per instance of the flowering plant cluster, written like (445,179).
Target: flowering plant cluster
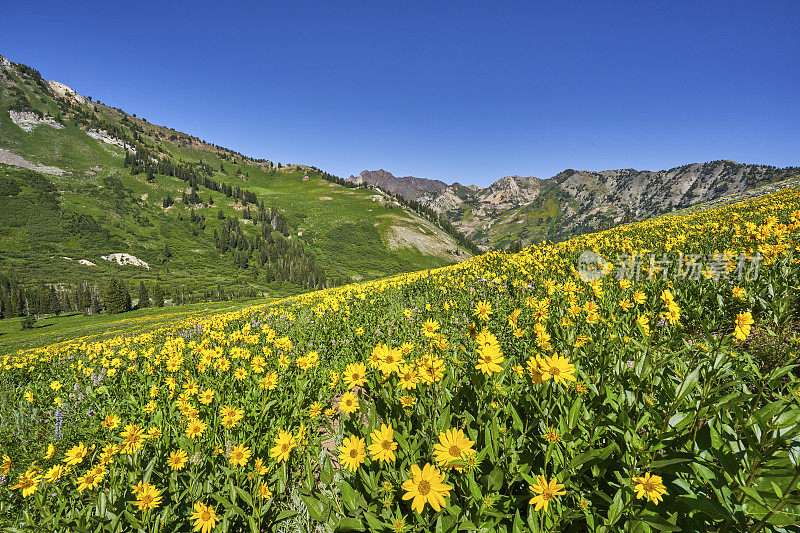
(500,394)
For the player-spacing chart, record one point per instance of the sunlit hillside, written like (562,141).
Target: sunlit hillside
(638,379)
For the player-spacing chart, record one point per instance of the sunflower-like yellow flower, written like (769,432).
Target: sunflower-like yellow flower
(195,428)
(205,519)
(231,416)
(489,359)
(391,361)
(352,452)
(558,368)
(426,485)
(284,444)
(314,410)
(28,482)
(51,451)
(430,327)
(383,444)
(177,459)
(355,374)
(240,455)
(75,455)
(111,422)
(348,403)
(264,492)
(453,445)
(148,497)
(649,486)
(408,377)
(743,323)
(545,492)
(92,478)
(55,472)
(483,310)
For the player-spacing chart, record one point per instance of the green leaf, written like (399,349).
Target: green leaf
(349,496)
(688,384)
(615,509)
(283,515)
(516,421)
(494,480)
(316,510)
(704,504)
(373,522)
(446,523)
(752,493)
(350,524)
(244,495)
(474,490)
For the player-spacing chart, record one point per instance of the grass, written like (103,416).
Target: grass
(52,329)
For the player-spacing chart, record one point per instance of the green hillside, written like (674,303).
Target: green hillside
(205,219)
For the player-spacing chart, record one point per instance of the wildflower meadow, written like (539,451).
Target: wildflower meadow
(510,392)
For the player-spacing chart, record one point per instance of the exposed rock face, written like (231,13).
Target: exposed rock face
(5,65)
(573,202)
(63,90)
(27,120)
(409,188)
(103,136)
(13,159)
(125,259)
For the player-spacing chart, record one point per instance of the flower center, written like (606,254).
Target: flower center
(354,453)
(206,516)
(386,445)
(284,447)
(424,487)
(455,451)
(649,486)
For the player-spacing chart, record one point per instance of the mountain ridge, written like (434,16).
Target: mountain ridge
(81,181)
(529,209)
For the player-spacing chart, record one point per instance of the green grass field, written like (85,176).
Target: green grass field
(51,329)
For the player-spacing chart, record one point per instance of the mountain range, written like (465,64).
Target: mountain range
(529,209)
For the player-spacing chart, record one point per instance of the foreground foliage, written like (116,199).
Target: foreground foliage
(502,394)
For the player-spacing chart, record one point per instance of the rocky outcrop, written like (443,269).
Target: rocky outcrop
(65,91)
(27,120)
(125,259)
(103,136)
(409,188)
(10,158)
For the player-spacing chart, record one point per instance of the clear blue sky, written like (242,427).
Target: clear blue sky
(451,90)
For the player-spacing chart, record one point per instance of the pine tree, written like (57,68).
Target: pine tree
(116,298)
(144,296)
(112,298)
(158,296)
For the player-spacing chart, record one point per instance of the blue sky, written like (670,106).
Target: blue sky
(467,91)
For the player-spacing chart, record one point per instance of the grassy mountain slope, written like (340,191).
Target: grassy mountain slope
(500,376)
(90,205)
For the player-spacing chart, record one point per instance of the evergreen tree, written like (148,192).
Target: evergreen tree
(144,296)
(158,296)
(28,321)
(116,297)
